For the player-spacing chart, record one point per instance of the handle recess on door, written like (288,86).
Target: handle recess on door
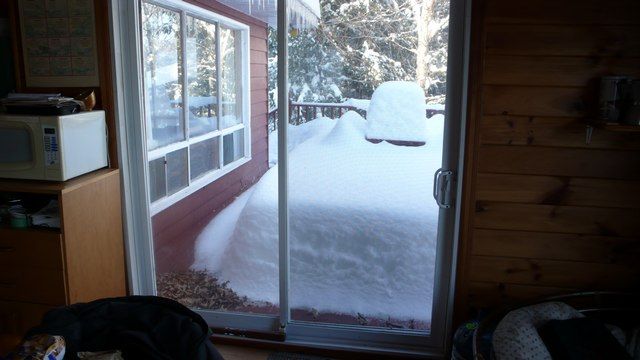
(442,186)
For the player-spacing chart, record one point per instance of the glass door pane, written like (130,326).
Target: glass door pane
(213,194)
(365,138)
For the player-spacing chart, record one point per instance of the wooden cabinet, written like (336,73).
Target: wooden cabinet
(82,261)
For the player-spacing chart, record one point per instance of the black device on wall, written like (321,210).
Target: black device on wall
(620,100)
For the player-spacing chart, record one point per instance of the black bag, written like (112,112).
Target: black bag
(141,327)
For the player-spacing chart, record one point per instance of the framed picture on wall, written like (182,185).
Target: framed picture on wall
(58,43)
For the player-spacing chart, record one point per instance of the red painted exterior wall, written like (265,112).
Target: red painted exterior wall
(176,228)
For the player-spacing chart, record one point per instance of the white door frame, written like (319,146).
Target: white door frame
(124,19)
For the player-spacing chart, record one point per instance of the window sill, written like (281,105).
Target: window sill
(327,350)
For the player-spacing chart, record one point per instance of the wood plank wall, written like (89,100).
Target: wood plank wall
(176,228)
(545,212)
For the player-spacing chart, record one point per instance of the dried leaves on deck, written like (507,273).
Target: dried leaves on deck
(199,289)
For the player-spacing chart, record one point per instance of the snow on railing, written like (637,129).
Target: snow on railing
(300,112)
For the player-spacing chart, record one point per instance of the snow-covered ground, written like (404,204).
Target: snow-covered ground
(362,224)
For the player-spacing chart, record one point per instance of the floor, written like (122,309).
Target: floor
(241,353)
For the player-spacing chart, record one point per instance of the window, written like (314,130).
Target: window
(196,99)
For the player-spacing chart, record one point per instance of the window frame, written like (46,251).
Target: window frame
(244,83)
(140,260)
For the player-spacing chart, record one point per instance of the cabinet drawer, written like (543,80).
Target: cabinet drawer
(26,248)
(17,318)
(34,285)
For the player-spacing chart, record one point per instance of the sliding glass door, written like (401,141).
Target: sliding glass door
(322,213)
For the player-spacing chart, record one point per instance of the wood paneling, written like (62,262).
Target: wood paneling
(176,228)
(545,212)
(554,70)
(563,12)
(611,164)
(486,294)
(557,190)
(551,131)
(536,101)
(553,273)
(258,43)
(563,40)
(560,219)
(554,246)
(93,240)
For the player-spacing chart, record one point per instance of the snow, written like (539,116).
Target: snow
(435,107)
(397,112)
(297,135)
(215,237)
(361,104)
(362,224)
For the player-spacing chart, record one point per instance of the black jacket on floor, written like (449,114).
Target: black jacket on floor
(141,327)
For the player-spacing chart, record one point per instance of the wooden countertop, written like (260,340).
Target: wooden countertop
(54,187)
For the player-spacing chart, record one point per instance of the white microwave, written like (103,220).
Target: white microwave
(54,148)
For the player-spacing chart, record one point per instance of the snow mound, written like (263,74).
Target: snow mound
(397,112)
(297,134)
(363,226)
(215,237)
(361,104)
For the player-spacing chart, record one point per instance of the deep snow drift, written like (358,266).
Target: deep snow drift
(362,224)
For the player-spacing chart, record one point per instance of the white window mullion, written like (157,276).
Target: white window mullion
(245,57)
(185,89)
(219,96)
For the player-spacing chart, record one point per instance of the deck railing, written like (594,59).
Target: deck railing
(304,112)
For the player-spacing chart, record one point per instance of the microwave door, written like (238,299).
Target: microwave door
(20,149)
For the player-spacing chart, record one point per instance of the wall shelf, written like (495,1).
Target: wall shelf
(620,127)
(616,127)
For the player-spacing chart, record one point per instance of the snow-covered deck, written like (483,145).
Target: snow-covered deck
(362,224)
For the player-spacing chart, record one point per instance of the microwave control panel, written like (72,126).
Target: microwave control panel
(51,145)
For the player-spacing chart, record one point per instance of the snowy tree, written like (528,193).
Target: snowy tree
(315,70)
(360,44)
(432,26)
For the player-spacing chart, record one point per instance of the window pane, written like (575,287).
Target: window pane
(201,76)
(363,225)
(204,157)
(231,70)
(233,146)
(15,145)
(177,170)
(157,179)
(162,75)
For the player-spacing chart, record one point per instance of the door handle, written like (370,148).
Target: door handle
(442,185)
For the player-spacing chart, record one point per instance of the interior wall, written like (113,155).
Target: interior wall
(175,229)
(545,212)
